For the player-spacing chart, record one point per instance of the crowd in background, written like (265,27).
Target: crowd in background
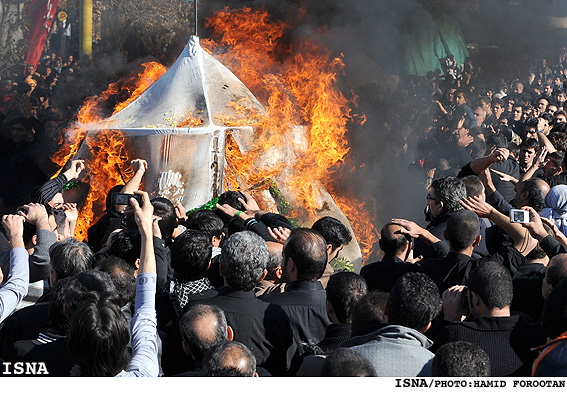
(238,291)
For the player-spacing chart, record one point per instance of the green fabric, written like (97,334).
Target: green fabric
(430,40)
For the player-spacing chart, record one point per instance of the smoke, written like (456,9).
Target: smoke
(373,36)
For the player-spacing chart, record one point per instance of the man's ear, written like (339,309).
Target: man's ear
(441,204)
(230,333)
(264,274)
(34,240)
(426,328)
(477,240)
(290,266)
(329,307)
(137,263)
(475,299)
(185,347)
(278,272)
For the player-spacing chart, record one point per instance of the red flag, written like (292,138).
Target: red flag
(40,13)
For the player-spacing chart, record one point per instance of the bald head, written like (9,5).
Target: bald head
(202,327)
(230,358)
(274,265)
(556,271)
(543,186)
(392,241)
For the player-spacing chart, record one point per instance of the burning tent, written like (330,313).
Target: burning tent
(179,126)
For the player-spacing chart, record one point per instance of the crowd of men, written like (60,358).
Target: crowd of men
(239,291)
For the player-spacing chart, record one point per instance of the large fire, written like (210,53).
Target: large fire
(108,165)
(297,85)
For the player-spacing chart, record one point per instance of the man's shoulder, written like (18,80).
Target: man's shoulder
(298,292)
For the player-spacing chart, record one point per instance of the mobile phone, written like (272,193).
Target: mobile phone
(519,216)
(124,199)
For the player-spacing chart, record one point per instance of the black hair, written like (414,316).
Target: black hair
(460,359)
(308,250)
(530,143)
(343,290)
(347,362)
(492,283)
(122,275)
(414,301)
(477,148)
(205,221)
(99,336)
(369,311)
(555,311)
(462,229)
(450,191)
(535,197)
(498,141)
(392,241)
(556,271)
(229,198)
(69,257)
(473,185)
(558,140)
(200,342)
(333,231)
(164,208)
(67,293)
(127,244)
(190,256)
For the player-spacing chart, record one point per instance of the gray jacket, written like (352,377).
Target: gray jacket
(395,351)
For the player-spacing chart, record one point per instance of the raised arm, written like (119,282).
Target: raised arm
(144,362)
(133,184)
(522,240)
(16,286)
(480,164)
(539,162)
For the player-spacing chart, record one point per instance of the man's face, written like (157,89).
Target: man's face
(451,95)
(460,99)
(498,110)
(560,118)
(542,105)
(335,253)
(57,201)
(527,154)
(19,133)
(30,69)
(479,116)
(434,204)
(517,113)
(531,132)
(560,97)
(543,124)
(486,106)
(518,88)
(552,109)
(509,105)
(551,168)
(547,90)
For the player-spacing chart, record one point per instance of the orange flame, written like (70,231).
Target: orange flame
(106,166)
(299,86)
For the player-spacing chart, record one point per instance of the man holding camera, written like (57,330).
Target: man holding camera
(486,299)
